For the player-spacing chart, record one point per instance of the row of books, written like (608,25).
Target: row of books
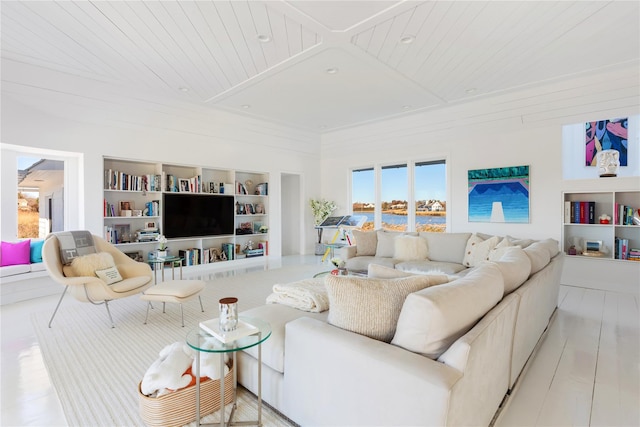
(623,251)
(624,215)
(177,185)
(116,180)
(151,208)
(580,212)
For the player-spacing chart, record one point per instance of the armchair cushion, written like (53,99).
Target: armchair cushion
(86,265)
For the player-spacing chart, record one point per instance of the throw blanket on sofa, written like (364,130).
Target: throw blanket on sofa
(307,295)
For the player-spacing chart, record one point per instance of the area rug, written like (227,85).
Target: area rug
(96,369)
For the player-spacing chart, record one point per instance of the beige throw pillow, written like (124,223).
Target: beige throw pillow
(366,242)
(371,307)
(86,265)
(496,253)
(386,243)
(478,250)
(410,248)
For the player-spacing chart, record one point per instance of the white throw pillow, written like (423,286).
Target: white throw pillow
(386,243)
(433,318)
(515,267)
(366,242)
(371,307)
(477,250)
(410,248)
(87,265)
(496,253)
(538,253)
(109,275)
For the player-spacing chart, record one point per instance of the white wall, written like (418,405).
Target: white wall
(224,140)
(513,129)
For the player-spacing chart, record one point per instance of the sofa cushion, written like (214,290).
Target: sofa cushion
(551,245)
(361,263)
(539,256)
(496,253)
(430,267)
(376,271)
(516,241)
(433,318)
(386,243)
(12,270)
(366,242)
(477,250)
(447,247)
(371,307)
(15,253)
(277,316)
(515,267)
(408,248)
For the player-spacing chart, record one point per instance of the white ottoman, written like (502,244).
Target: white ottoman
(177,291)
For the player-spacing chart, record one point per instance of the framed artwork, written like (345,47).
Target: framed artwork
(184,185)
(126,207)
(606,135)
(256,227)
(123,233)
(259,208)
(499,195)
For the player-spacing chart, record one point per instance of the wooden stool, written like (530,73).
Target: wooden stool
(177,291)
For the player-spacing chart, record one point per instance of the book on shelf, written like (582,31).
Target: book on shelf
(580,212)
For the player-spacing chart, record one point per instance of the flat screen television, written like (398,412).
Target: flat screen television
(196,215)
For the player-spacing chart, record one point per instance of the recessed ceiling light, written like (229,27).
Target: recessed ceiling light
(332,70)
(264,38)
(183,89)
(408,39)
(406,107)
(471,90)
(246,106)
(322,126)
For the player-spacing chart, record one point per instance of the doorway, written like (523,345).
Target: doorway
(290,209)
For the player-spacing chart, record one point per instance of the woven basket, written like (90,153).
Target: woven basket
(179,408)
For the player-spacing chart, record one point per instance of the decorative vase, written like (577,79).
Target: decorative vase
(161,253)
(608,162)
(228,314)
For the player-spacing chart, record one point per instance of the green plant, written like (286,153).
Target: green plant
(321,209)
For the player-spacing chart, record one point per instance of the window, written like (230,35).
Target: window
(430,196)
(410,197)
(363,195)
(394,197)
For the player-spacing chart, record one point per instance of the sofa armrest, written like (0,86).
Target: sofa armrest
(346,252)
(332,377)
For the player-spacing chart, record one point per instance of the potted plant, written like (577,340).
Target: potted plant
(321,209)
(162,246)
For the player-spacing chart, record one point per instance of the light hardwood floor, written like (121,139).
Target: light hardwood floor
(585,372)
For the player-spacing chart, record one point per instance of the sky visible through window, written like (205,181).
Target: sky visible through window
(430,184)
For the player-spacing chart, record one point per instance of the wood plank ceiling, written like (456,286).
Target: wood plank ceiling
(314,65)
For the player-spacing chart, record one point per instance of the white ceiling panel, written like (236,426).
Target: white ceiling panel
(273,55)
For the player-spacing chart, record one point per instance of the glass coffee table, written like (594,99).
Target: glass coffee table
(201,341)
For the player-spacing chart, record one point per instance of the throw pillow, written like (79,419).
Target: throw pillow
(371,307)
(515,267)
(366,242)
(433,318)
(501,248)
(539,255)
(477,250)
(35,255)
(410,248)
(87,265)
(386,243)
(15,253)
(109,275)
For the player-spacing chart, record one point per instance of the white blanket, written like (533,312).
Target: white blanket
(307,295)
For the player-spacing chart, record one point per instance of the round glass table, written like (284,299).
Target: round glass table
(158,264)
(202,341)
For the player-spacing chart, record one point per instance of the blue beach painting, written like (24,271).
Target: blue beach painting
(499,195)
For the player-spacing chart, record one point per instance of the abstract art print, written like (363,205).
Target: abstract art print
(606,135)
(499,195)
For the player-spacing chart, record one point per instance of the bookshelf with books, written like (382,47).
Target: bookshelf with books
(602,224)
(135,210)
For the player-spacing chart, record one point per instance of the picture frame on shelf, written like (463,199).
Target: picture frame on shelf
(184,185)
(150,225)
(248,208)
(259,208)
(240,209)
(256,227)
(126,207)
(593,246)
(247,225)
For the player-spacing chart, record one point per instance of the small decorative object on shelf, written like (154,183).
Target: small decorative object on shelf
(264,229)
(604,219)
(572,250)
(162,246)
(608,163)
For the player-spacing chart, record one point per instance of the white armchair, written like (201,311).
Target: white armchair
(137,276)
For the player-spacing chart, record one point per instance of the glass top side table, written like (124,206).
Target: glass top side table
(159,263)
(202,341)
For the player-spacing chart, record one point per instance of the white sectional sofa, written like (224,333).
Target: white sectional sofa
(457,347)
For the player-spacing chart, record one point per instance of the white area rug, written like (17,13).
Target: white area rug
(96,369)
